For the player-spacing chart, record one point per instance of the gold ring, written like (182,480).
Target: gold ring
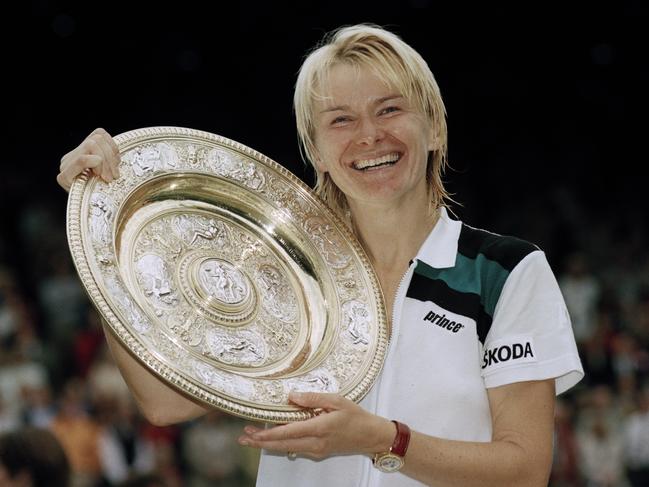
(291,455)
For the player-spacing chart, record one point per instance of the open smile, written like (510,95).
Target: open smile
(369,164)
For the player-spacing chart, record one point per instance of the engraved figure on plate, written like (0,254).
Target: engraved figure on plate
(235,167)
(130,310)
(241,348)
(277,296)
(101,216)
(155,278)
(153,157)
(223,281)
(319,380)
(223,381)
(189,326)
(328,241)
(357,319)
(195,229)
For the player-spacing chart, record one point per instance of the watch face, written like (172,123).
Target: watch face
(389,463)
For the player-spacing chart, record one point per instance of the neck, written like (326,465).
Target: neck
(392,235)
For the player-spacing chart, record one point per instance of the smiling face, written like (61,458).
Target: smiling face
(370,140)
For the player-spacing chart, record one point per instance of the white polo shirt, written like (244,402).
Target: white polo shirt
(475,310)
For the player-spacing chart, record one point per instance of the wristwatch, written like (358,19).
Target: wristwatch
(392,460)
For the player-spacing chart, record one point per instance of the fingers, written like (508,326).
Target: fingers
(314,447)
(111,153)
(293,437)
(343,427)
(98,152)
(309,427)
(75,167)
(97,144)
(317,400)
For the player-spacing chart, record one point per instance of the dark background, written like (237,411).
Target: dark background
(546,101)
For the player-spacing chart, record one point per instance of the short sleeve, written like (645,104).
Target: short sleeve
(531,336)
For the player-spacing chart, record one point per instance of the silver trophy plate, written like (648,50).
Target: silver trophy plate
(226,276)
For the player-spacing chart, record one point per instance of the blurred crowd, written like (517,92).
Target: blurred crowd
(56,373)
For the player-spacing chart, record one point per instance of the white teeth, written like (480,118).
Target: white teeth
(366,163)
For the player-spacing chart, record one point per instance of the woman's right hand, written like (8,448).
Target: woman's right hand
(98,153)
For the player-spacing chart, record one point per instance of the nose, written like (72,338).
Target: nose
(369,132)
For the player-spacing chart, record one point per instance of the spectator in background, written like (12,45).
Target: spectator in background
(581,291)
(123,451)
(565,466)
(636,442)
(211,453)
(63,302)
(625,363)
(19,351)
(104,380)
(32,457)
(9,420)
(601,460)
(639,317)
(38,406)
(596,352)
(599,440)
(148,480)
(88,342)
(79,435)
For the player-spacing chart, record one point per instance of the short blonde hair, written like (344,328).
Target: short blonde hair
(400,66)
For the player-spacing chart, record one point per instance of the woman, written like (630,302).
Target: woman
(481,340)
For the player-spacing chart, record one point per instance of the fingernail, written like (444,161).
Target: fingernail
(244,442)
(250,429)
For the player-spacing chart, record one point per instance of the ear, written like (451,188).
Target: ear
(319,163)
(434,144)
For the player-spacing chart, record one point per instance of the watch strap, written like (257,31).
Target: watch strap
(401,440)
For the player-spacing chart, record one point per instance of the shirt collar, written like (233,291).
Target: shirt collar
(439,250)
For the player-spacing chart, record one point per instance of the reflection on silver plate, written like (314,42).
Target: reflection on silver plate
(224,274)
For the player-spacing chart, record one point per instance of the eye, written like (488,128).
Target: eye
(340,120)
(388,110)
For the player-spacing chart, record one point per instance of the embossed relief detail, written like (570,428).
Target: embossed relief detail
(150,158)
(277,296)
(284,196)
(235,386)
(199,230)
(357,319)
(318,380)
(344,363)
(235,167)
(327,241)
(241,347)
(188,325)
(102,212)
(270,391)
(221,280)
(224,301)
(126,305)
(154,277)
(225,289)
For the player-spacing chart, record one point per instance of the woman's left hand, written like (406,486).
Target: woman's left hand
(340,427)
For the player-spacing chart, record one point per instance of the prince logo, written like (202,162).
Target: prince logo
(443,322)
